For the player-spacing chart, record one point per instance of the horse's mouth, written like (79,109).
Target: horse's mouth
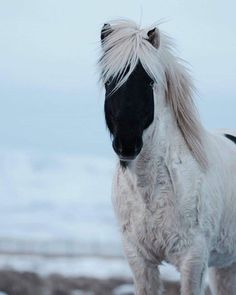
(127,158)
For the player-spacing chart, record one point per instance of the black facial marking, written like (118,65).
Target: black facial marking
(128,112)
(231,137)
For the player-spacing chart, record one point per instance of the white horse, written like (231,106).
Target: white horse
(174,189)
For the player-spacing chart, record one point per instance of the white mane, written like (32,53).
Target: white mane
(125,45)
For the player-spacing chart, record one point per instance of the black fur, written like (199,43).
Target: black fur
(231,137)
(128,112)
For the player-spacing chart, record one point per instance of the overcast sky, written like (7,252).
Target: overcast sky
(50,98)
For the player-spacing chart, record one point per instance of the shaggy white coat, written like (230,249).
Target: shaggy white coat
(177,201)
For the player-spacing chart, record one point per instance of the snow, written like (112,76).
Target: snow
(124,289)
(56,204)
(97,267)
(80,292)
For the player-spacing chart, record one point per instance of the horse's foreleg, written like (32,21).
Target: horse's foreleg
(193,270)
(223,280)
(146,275)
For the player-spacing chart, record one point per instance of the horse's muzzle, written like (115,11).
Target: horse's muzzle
(127,152)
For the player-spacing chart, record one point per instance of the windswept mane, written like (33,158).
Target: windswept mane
(124,45)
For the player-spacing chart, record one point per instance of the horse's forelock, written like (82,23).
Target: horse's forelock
(123,46)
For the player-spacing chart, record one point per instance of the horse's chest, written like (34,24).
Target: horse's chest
(148,230)
(159,220)
(152,225)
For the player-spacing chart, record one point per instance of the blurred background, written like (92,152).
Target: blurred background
(58,233)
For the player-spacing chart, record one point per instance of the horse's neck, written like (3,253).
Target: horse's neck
(162,142)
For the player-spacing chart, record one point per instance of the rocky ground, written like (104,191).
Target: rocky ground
(28,283)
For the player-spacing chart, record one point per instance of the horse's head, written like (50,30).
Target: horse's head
(139,70)
(129,111)
(129,98)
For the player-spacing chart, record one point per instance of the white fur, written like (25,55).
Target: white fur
(177,201)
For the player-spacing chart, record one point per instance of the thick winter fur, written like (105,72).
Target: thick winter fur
(176,201)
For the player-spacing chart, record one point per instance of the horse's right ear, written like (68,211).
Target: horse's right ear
(106,30)
(154,37)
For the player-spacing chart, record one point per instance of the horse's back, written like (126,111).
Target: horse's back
(228,133)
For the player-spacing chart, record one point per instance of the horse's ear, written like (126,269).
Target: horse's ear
(154,37)
(106,30)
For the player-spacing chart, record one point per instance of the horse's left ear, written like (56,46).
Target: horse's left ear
(154,37)
(106,30)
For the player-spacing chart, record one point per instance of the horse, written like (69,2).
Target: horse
(174,188)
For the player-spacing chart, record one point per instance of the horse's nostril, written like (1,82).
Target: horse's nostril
(120,150)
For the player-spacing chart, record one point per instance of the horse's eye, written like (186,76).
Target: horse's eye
(108,82)
(151,84)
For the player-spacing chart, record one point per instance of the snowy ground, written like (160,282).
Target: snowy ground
(57,204)
(98,267)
